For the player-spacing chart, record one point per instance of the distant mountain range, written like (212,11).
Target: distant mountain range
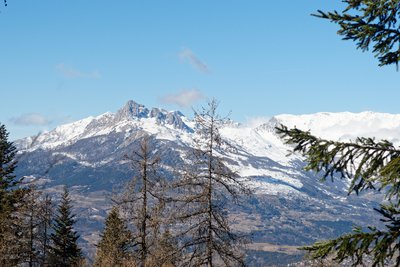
(290,207)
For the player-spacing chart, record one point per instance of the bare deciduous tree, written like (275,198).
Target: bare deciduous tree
(33,223)
(46,213)
(207,187)
(143,202)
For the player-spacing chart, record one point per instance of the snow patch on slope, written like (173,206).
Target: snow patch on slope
(259,153)
(346,125)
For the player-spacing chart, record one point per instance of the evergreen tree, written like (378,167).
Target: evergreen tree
(207,188)
(116,240)
(369,164)
(65,249)
(7,162)
(11,199)
(373,24)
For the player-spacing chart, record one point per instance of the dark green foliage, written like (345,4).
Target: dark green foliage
(116,239)
(370,24)
(366,162)
(7,177)
(369,165)
(380,245)
(11,199)
(65,250)
(7,162)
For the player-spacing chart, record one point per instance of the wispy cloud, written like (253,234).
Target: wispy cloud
(183,98)
(186,55)
(70,72)
(30,119)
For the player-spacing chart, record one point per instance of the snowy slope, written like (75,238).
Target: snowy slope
(256,147)
(88,156)
(346,125)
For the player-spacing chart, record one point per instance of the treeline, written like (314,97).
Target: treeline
(155,221)
(33,232)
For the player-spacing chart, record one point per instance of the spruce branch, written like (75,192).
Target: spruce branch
(369,164)
(381,246)
(370,24)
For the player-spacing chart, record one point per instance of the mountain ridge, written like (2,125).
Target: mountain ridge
(366,122)
(87,155)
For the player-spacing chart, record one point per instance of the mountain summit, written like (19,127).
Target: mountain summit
(132,110)
(131,116)
(290,206)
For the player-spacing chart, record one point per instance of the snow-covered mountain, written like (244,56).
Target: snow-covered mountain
(290,207)
(345,125)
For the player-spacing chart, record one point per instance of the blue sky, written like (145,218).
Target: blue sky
(62,61)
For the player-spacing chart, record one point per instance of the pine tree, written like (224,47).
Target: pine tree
(8,163)
(65,249)
(208,186)
(368,164)
(370,24)
(116,240)
(11,198)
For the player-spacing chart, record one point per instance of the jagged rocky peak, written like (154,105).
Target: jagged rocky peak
(159,114)
(175,118)
(132,110)
(165,117)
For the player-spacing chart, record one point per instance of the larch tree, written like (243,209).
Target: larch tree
(368,164)
(115,243)
(35,217)
(371,24)
(143,201)
(30,221)
(65,250)
(45,214)
(207,187)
